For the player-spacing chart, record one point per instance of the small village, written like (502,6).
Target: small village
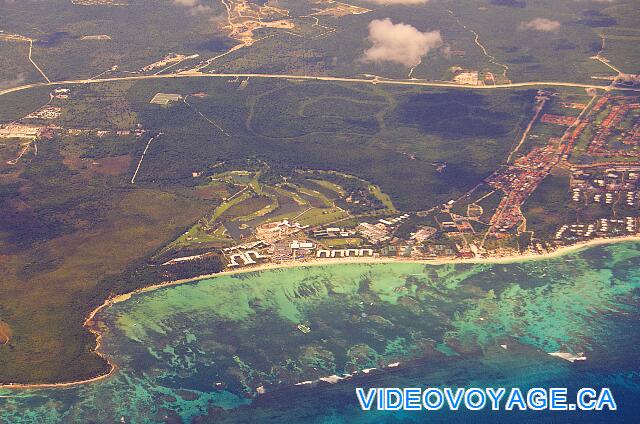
(613,196)
(43,124)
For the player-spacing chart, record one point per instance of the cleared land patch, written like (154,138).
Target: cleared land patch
(5,332)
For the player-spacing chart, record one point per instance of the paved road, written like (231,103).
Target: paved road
(418,83)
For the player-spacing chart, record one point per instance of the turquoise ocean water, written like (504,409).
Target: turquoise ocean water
(236,348)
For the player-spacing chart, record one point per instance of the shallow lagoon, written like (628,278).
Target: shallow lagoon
(204,351)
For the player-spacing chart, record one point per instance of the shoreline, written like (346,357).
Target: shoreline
(89,322)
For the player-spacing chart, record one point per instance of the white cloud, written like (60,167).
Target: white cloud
(540,24)
(195,7)
(187,3)
(200,8)
(18,80)
(394,2)
(399,43)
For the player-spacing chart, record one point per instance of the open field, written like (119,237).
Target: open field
(546,209)
(17,105)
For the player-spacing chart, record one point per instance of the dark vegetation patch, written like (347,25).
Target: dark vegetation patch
(247,207)
(353,112)
(510,49)
(39,261)
(39,220)
(97,148)
(520,4)
(453,115)
(21,103)
(564,44)
(546,209)
(341,107)
(54,39)
(286,205)
(328,193)
(594,47)
(216,44)
(526,58)
(597,19)
(24,229)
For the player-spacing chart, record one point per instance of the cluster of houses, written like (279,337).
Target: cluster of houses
(381,230)
(606,186)
(602,227)
(343,253)
(283,241)
(518,181)
(29,132)
(45,113)
(600,144)
(333,232)
(614,188)
(249,257)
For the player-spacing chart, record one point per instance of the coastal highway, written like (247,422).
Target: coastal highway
(375,80)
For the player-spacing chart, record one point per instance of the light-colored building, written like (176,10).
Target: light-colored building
(164,99)
(19,131)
